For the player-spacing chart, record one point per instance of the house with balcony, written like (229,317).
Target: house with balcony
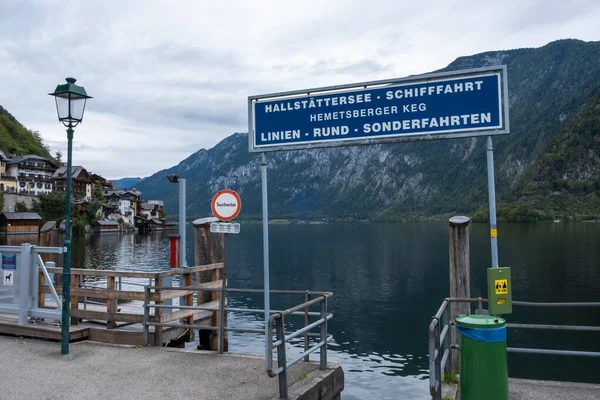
(8,183)
(119,205)
(32,174)
(151,209)
(101,182)
(82,184)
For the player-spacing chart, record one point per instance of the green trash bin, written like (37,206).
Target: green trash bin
(482,348)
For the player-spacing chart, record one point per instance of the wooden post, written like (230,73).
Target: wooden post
(45,239)
(40,288)
(111,305)
(74,299)
(460,282)
(189,301)
(209,248)
(158,330)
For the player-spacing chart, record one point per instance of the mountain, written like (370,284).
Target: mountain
(16,139)
(127,183)
(565,181)
(552,89)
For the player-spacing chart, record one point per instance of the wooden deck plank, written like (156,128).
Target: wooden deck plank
(105,272)
(10,326)
(172,294)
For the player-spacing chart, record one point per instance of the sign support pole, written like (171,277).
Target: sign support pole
(492,201)
(182,224)
(265,222)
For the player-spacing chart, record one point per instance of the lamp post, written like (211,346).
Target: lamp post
(70,105)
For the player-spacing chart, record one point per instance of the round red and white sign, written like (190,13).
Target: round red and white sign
(226,205)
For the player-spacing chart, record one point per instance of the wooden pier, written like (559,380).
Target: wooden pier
(106,308)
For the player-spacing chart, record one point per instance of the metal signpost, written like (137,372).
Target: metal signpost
(425,107)
(225,205)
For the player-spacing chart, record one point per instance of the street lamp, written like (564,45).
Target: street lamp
(174,178)
(70,105)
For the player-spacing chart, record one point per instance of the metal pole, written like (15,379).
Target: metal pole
(66,297)
(265,222)
(182,224)
(281,358)
(492,199)
(24,285)
(323,351)
(182,242)
(221,338)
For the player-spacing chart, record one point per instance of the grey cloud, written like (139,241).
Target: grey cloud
(174,80)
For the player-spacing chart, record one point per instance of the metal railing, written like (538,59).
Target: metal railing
(440,346)
(29,268)
(276,321)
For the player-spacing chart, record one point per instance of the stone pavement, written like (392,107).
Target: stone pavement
(33,369)
(528,389)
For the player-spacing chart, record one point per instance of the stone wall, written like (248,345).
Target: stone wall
(11,199)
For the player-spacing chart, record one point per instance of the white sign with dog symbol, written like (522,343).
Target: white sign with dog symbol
(9,277)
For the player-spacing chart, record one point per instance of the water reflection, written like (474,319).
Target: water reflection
(388,279)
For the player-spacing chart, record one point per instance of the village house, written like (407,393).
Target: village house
(19,223)
(106,226)
(102,183)
(151,209)
(8,183)
(32,174)
(82,183)
(119,206)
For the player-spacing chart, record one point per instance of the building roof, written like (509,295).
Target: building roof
(107,223)
(18,159)
(76,170)
(147,206)
(3,156)
(156,221)
(21,215)
(98,178)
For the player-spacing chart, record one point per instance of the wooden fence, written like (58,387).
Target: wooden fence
(194,279)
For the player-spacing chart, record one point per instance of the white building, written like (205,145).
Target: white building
(33,174)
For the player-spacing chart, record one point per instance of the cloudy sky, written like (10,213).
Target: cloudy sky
(171,77)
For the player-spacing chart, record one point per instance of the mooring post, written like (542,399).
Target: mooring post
(460,281)
(209,248)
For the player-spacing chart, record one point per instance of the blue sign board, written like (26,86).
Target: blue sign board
(9,261)
(435,106)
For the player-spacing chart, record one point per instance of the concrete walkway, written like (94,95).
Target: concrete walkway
(34,369)
(528,389)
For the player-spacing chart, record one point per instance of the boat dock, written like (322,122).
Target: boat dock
(122,321)
(94,370)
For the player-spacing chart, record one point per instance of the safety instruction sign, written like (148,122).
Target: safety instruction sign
(501,286)
(9,277)
(9,261)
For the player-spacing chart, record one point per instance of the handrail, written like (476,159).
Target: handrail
(139,274)
(440,347)
(275,321)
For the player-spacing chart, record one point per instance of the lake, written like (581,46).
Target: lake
(388,279)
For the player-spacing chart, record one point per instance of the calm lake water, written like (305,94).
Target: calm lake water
(388,279)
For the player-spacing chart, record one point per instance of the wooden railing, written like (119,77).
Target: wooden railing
(204,276)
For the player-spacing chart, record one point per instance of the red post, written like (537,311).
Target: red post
(174,251)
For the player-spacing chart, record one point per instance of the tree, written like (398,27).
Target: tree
(20,207)
(98,192)
(51,207)
(58,157)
